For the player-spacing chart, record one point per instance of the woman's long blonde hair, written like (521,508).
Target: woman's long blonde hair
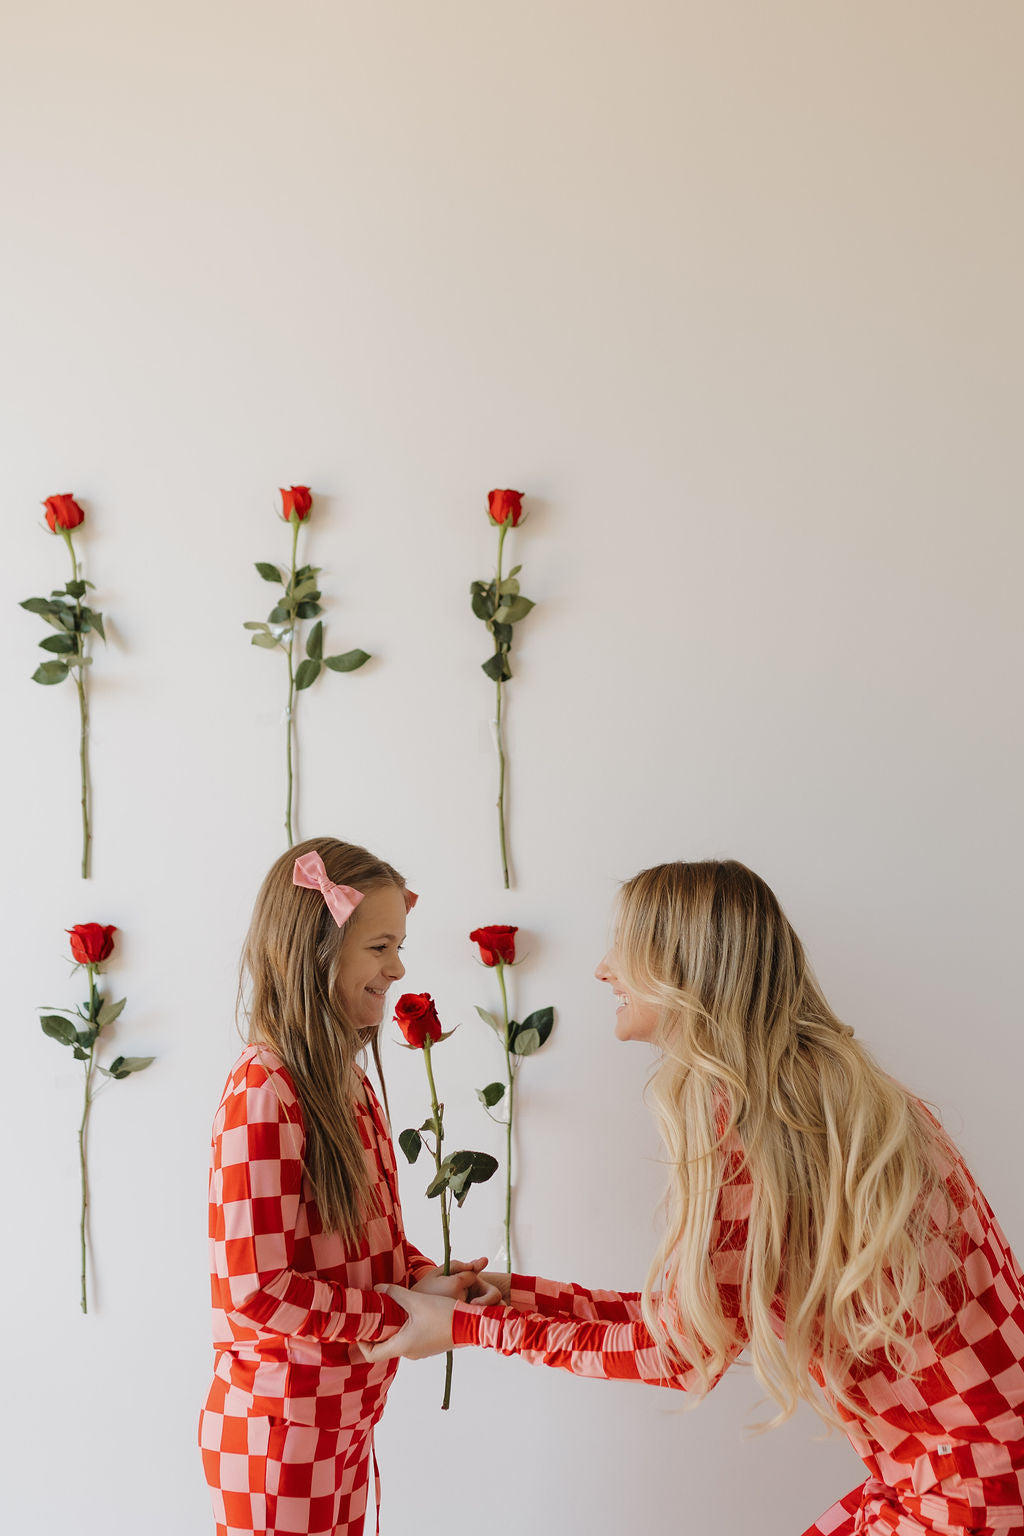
(846,1189)
(289,971)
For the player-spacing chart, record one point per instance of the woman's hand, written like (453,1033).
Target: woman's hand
(427,1331)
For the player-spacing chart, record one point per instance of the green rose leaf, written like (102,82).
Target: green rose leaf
(495,1024)
(315,641)
(542,1020)
(254,624)
(110,1011)
(437,1183)
(482,600)
(525,1041)
(347,662)
(307,672)
(268,572)
(308,610)
(305,589)
(129,1064)
(491,1095)
(509,587)
(58,1028)
(50,672)
(79,1054)
(281,614)
(502,635)
(76,588)
(497,667)
(265,640)
(97,624)
(411,1144)
(41,605)
(515,570)
(511,612)
(64,645)
(86,1036)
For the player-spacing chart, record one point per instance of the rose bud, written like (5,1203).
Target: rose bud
(91,942)
(62,513)
(298,500)
(417,1018)
(497,944)
(503,505)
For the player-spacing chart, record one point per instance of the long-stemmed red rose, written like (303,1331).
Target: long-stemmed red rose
(80,1028)
(300,600)
(497,946)
(65,611)
(416,1016)
(501,605)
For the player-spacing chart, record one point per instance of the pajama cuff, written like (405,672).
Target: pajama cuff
(466,1321)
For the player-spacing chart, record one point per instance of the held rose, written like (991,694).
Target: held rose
(501,605)
(497,946)
(299,600)
(80,1028)
(416,1016)
(73,620)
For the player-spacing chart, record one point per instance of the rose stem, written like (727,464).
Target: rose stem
(445,1231)
(291,686)
(82,1129)
(508,1123)
(497,724)
(83,711)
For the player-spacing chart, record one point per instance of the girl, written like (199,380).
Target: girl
(304,1213)
(818,1217)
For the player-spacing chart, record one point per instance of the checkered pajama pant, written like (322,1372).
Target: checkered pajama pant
(269,1477)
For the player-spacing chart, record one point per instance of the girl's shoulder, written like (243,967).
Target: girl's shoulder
(260,1066)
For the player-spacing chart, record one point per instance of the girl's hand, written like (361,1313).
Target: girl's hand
(462,1284)
(428,1330)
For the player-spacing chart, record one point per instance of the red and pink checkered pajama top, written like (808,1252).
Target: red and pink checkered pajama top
(289,1299)
(945,1451)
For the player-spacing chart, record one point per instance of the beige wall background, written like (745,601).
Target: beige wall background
(732,291)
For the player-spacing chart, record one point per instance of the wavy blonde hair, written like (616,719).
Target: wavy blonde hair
(844,1167)
(289,998)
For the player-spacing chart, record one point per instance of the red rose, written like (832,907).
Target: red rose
(297,500)
(497,944)
(417,1018)
(63,512)
(91,942)
(503,505)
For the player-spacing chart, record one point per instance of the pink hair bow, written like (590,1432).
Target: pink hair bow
(341,900)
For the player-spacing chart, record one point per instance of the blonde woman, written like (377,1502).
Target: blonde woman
(305,1220)
(818,1217)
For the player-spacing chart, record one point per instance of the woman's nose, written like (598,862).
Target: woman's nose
(602,971)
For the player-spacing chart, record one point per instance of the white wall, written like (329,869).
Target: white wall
(732,291)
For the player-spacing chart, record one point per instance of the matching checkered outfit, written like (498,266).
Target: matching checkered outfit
(287,1429)
(944,1449)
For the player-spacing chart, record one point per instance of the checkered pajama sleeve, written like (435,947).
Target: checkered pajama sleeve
(417,1263)
(601,1333)
(553,1298)
(256,1190)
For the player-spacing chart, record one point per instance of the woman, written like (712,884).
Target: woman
(818,1217)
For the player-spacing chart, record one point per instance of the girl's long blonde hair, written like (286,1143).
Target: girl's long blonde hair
(289,971)
(847,1196)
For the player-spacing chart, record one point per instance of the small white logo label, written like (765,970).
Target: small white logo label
(945,1450)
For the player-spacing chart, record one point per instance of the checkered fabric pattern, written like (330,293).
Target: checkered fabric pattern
(944,1446)
(289,1302)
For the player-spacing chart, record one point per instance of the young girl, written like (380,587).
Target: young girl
(304,1213)
(818,1217)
